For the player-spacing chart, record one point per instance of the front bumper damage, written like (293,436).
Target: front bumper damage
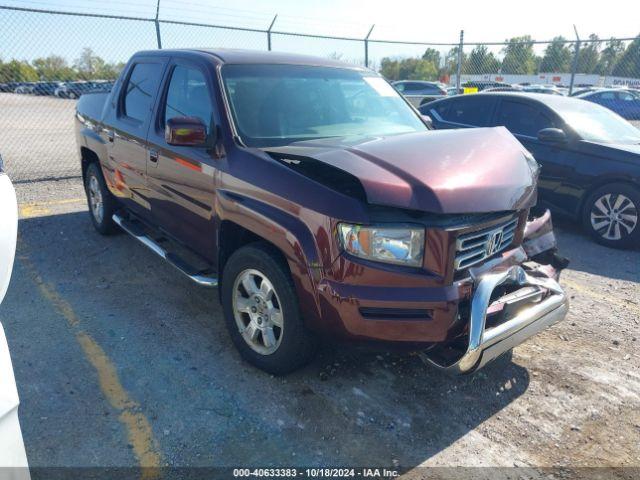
(509,304)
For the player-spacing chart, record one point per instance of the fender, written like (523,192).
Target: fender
(287,233)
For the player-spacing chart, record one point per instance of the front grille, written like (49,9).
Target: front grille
(474,247)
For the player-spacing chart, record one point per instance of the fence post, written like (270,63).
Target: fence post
(366,46)
(574,67)
(459,70)
(269,33)
(157,22)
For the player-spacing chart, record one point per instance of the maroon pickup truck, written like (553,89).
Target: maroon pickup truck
(321,204)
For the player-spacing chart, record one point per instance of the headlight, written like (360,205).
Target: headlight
(398,245)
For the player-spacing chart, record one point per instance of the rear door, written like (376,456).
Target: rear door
(181,178)
(127,147)
(524,119)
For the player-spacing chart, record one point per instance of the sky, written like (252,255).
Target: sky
(28,35)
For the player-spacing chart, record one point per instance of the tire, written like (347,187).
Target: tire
(288,345)
(102,204)
(611,215)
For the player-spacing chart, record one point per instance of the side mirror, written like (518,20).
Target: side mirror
(552,135)
(186,132)
(427,120)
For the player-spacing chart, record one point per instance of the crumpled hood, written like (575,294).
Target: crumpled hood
(446,171)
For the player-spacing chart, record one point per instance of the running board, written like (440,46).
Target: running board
(135,230)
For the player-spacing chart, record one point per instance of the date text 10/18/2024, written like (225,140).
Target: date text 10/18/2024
(315,473)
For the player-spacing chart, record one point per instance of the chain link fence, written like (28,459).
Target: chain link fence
(49,58)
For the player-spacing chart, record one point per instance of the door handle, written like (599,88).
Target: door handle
(111,135)
(153,156)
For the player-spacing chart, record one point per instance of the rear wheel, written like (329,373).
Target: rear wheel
(612,215)
(101,203)
(261,310)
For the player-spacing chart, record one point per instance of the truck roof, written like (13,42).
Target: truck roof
(241,56)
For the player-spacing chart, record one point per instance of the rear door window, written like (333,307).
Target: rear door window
(471,110)
(140,90)
(523,118)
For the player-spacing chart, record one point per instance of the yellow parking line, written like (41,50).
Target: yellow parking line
(139,431)
(41,209)
(601,297)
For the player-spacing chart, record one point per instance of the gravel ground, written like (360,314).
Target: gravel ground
(120,361)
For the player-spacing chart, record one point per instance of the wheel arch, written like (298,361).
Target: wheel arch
(87,156)
(601,182)
(243,220)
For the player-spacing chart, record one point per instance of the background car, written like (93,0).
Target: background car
(25,87)
(625,103)
(582,90)
(482,85)
(45,88)
(74,89)
(419,92)
(590,156)
(13,459)
(546,89)
(503,89)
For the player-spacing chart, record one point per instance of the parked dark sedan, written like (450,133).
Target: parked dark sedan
(590,156)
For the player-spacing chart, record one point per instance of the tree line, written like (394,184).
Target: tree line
(595,56)
(88,66)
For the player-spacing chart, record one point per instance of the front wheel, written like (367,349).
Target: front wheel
(261,310)
(611,215)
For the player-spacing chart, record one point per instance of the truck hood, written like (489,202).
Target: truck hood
(445,171)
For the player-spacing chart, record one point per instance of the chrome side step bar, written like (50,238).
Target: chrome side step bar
(199,277)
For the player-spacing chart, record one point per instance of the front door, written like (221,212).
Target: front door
(524,120)
(181,178)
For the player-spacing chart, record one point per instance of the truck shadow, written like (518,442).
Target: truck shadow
(168,341)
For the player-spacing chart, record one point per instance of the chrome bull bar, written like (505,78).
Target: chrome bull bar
(485,344)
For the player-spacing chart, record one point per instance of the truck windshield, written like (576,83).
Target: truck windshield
(274,105)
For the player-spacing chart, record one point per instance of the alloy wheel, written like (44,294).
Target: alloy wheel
(257,311)
(613,216)
(95,199)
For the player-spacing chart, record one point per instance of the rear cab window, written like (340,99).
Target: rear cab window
(140,90)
